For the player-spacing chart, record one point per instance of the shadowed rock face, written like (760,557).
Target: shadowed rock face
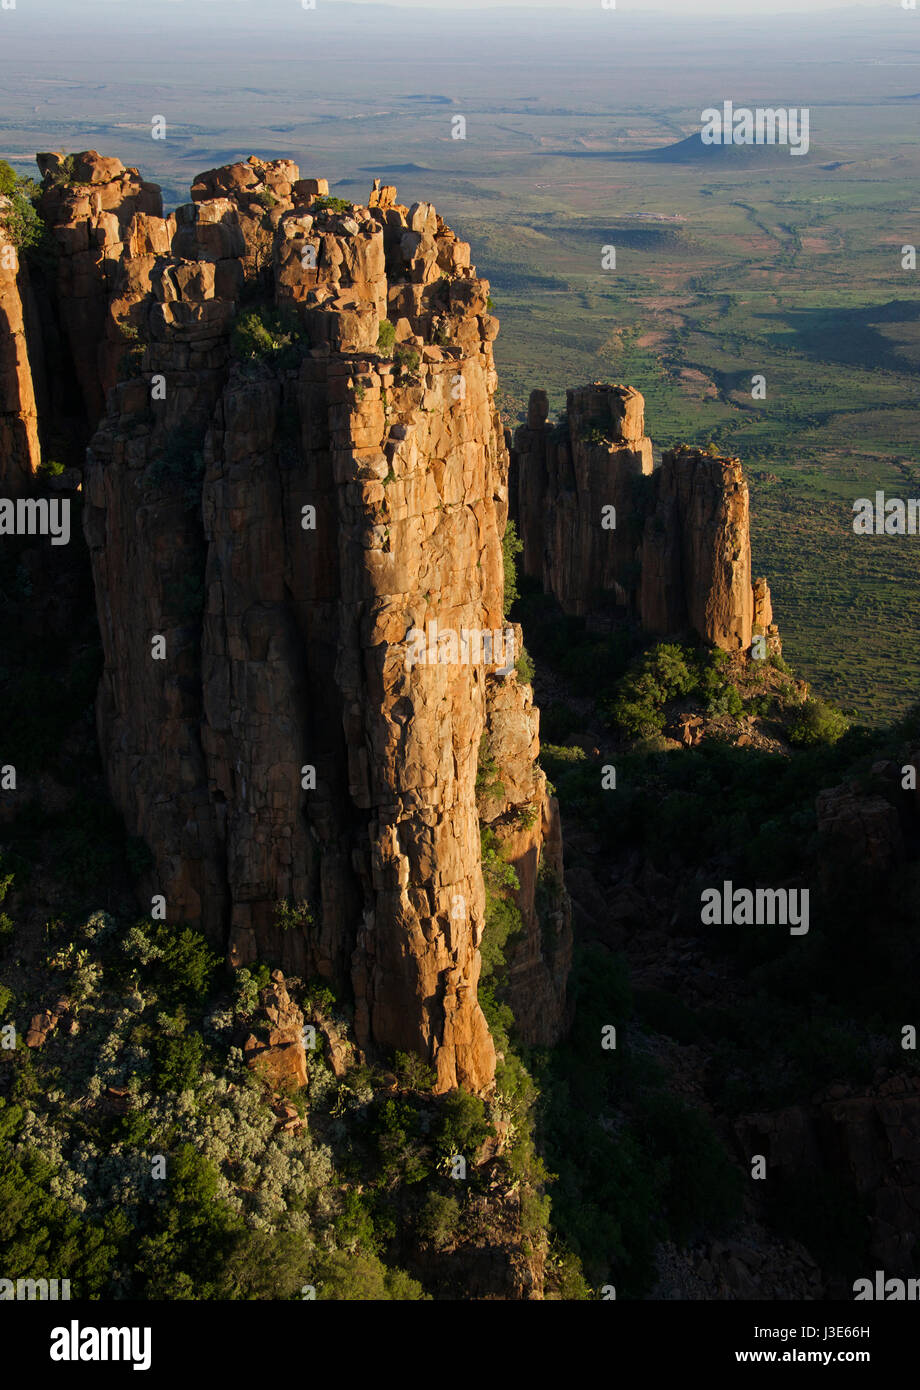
(673,551)
(266,535)
(566,477)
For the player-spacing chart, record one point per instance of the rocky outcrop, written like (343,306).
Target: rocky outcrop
(295,523)
(696,551)
(20,452)
(602,528)
(576,490)
(44,1024)
(89,203)
(276,1050)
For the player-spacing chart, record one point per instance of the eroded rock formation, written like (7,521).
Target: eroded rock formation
(20,452)
(277,506)
(568,478)
(601,526)
(696,551)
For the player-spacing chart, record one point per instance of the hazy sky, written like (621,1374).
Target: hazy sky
(686,8)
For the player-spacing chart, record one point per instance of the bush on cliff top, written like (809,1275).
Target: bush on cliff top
(326,203)
(264,333)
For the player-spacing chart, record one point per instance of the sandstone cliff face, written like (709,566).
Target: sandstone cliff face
(525,820)
(696,551)
(673,551)
(270,534)
(568,480)
(20,452)
(89,216)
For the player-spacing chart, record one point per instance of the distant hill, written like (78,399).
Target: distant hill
(691,150)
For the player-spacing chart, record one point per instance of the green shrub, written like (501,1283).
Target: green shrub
(361,1278)
(191,1233)
(21,221)
(463,1126)
(438,1220)
(402,1155)
(503,917)
(290,916)
(414,1072)
(50,468)
(317,996)
(180,1062)
(386,338)
(266,334)
(503,925)
(726,701)
(407,359)
(63,174)
(638,706)
(325,203)
(180,962)
(354,1225)
(40,1237)
(667,672)
(512,547)
(8,179)
(6,922)
(524,667)
(535,1210)
(488,774)
(565,1280)
(818,722)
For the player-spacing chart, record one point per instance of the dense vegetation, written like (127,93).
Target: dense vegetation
(19,217)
